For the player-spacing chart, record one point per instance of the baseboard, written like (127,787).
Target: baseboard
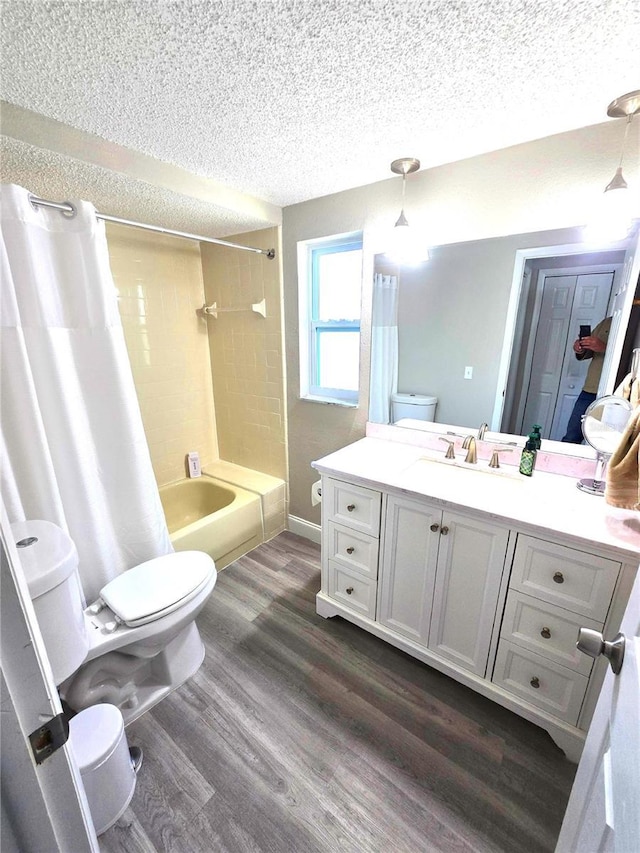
(304,528)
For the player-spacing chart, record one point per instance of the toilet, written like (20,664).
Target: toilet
(414,406)
(132,646)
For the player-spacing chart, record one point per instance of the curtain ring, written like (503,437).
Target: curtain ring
(69,213)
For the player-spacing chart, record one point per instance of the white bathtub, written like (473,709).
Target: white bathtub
(205,514)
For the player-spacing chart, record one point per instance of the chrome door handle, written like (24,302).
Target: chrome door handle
(592,643)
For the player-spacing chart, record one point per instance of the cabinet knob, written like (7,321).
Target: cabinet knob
(444,530)
(535,682)
(350,549)
(546,633)
(558,577)
(434,528)
(351,507)
(349,590)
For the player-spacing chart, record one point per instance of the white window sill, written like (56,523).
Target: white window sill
(328,401)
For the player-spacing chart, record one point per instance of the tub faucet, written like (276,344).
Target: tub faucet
(470,445)
(481,431)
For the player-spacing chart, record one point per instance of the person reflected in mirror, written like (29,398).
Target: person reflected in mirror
(592,346)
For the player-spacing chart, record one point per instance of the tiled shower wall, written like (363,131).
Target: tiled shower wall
(160,286)
(247,362)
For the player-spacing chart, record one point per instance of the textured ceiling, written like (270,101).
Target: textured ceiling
(287,100)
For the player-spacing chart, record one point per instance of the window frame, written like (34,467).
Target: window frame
(310,328)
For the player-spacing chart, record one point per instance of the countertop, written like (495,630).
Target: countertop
(543,503)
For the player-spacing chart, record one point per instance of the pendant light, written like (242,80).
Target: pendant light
(613,216)
(406,245)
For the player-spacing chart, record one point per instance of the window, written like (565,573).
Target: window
(330,275)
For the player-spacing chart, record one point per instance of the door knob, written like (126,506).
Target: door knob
(592,643)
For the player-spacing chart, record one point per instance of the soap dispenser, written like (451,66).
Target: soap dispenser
(528,457)
(537,436)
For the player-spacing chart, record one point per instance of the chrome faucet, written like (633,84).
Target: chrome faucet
(469,444)
(481,431)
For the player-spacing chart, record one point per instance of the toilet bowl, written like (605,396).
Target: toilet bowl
(132,646)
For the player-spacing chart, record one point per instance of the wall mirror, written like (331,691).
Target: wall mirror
(505,312)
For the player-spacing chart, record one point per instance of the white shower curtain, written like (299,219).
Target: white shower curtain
(384,347)
(73,446)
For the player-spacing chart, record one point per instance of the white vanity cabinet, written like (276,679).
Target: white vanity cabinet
(490,600)
(440,576)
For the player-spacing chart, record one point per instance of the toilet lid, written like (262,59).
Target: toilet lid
(157,587)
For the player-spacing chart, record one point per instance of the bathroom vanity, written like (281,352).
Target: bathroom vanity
(482,574)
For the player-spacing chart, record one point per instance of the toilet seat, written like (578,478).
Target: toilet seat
(158,587)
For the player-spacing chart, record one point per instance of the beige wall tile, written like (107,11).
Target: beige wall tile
(159,280)
(247,359)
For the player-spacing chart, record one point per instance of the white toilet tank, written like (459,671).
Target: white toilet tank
(50,563)
(416,406)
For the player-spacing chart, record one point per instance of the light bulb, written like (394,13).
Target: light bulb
(404,246)
(612,218)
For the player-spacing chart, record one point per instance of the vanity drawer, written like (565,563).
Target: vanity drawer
(352,549)
(353,590)
(543,683)
(354,506)
(547,630)
(575,580)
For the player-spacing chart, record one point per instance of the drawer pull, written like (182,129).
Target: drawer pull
(434,528)
(350,549)
(558,577)
(351,507)
(349,590)
(535,682)
(444,531)
(546,633)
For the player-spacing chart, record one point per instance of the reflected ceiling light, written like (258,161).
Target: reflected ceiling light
(406,247)
(613,217)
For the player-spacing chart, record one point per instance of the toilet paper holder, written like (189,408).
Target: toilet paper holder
(316,493)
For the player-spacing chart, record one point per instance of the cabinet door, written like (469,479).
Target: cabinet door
(408,567)
(470,565)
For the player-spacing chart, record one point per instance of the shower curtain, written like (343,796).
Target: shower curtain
(73,448)
(384,347)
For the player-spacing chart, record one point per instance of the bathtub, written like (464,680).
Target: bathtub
(205,514)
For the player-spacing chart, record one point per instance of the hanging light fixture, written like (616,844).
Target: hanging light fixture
(406,246)
(613,216)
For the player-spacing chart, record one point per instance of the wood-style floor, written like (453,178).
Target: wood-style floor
(300,735)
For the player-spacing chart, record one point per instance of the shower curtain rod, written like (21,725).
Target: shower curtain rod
(69,209)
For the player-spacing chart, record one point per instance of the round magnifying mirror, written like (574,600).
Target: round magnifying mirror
(602,426)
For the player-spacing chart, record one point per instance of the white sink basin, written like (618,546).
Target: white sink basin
(441,467)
